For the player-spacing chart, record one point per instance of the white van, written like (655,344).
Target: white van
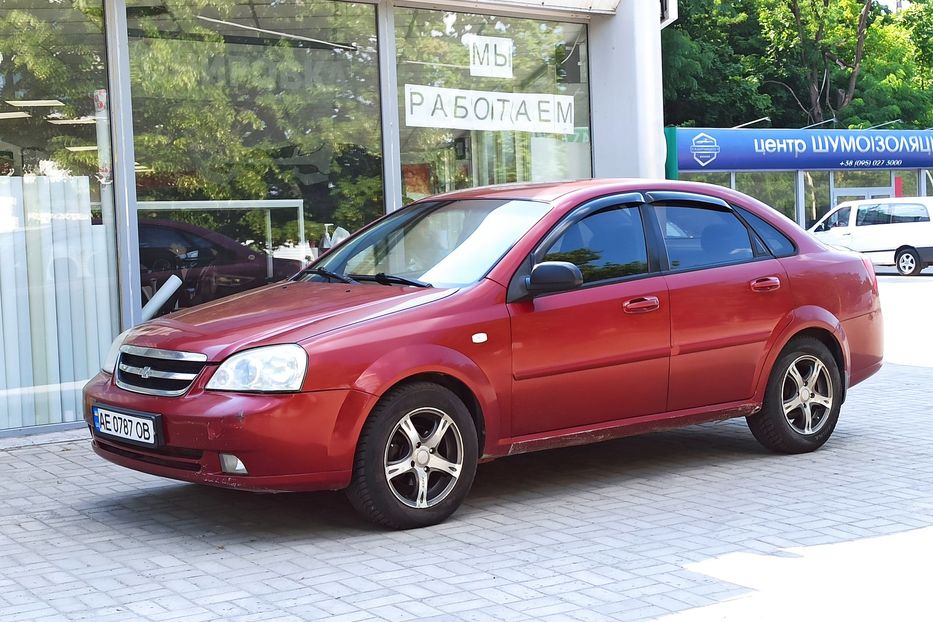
(892,232)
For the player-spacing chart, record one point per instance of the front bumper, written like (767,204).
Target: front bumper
(288,442)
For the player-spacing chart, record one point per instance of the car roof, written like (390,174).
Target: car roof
(894,200)
(547,191)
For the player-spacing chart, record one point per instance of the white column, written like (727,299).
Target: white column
(124,157)
(388,94)
(627,107)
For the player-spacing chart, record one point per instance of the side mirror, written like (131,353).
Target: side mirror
(553,276)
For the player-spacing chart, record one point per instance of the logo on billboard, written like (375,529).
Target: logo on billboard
(704,148)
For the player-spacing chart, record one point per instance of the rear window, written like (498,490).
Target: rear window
(778,243)
(910,212)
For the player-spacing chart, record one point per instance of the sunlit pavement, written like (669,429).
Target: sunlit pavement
(695,524)
(907,304)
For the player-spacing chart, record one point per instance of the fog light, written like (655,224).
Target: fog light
(233,465)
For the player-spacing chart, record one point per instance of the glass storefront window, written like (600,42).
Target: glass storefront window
(863,179)
(817,199)
(58,300)
(775,188)
(486,99)
(257,136)
(718,179)
(909,182)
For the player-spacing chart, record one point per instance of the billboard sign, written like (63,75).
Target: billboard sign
(712,149)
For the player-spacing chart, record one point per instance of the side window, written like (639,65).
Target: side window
(778,243)
(609,244)
(873,215)
(705,237)
(839,218)
(910,212)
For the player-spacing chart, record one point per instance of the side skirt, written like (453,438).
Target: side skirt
(631,426)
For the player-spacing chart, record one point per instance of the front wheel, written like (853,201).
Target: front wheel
(908,262)
(416,458)
(802,399)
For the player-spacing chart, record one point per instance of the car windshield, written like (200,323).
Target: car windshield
(439,243)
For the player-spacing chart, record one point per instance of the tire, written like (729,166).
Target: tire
(410,470)
(815,388)
(908,262)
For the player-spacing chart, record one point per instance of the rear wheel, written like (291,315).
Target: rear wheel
(802,399)
(908,262)
(416,458)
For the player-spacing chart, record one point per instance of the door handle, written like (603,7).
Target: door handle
(849,233)
(766,284)
(644,304)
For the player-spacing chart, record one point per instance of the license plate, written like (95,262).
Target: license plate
(138,428)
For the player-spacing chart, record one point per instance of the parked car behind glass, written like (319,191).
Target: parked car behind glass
(495,321)
(210,264)
(892,232)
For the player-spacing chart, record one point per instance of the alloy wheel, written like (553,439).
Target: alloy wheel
(807,395)
(906,263)
(423,457)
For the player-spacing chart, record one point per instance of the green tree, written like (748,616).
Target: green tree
(711,65)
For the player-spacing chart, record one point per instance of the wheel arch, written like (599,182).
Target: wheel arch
(456,386)
(819,324)
(443,366)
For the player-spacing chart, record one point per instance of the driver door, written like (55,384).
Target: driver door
(600,352)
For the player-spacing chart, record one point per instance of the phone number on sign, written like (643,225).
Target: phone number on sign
(871,163)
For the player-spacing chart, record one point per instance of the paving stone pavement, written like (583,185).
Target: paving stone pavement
(602,532)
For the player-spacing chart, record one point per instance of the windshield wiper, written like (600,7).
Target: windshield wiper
(329,274)
(390,279)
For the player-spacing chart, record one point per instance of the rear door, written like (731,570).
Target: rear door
(728,294)
(600,352)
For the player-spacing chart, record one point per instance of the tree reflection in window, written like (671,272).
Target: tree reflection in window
(606,245)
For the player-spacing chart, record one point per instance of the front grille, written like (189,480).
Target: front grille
(183,459)
(157,372)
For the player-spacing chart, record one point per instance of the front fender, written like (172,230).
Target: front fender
(396,366)
(799,320)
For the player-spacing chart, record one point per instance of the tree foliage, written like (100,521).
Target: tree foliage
(799,62)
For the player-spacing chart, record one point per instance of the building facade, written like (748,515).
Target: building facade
(225,142)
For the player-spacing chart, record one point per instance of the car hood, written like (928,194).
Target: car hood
(289,312)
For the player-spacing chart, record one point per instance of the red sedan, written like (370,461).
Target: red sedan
(494,321)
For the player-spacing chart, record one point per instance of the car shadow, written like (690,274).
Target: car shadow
(206,512)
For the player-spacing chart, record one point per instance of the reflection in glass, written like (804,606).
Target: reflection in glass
(58,301)
(816,196)
(444,244)
(863,179)
(718,179)
(486,99)
(607,245)
(909,181)
(257,135)
(775,188)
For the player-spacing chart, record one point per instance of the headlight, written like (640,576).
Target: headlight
(113,353)
(271,368)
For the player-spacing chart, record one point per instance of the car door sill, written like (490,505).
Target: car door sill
(629,426)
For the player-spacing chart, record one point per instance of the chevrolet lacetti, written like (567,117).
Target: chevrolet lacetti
(494,321)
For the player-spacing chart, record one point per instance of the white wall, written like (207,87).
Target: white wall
(627,121)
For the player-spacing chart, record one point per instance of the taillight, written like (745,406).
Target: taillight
(871,272)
